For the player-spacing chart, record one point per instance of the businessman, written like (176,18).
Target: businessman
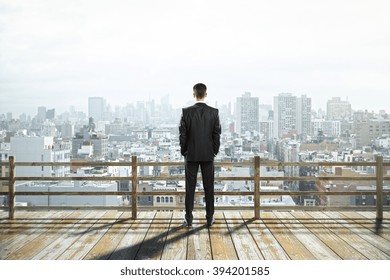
(200,132)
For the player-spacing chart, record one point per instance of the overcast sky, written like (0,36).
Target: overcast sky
(58,52)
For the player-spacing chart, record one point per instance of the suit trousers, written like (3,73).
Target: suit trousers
(191,172)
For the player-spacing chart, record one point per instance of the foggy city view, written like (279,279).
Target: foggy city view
(288,130)
(92,94)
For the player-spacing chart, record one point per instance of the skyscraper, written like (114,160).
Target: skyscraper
(292,113)
(50,114)
(304,116)
(96,108)
(285,114)
(41,116)
(247,113)
(337,109)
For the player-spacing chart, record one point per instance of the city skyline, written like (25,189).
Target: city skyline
(165,101)
(59,53)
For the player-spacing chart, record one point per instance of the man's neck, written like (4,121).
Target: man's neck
(200,101)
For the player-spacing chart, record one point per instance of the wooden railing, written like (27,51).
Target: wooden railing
(256,178)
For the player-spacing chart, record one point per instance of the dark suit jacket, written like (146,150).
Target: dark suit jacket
(200,131)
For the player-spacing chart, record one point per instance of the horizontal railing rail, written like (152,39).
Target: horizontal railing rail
(379,178)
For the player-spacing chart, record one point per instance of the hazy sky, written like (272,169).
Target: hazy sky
(58,52)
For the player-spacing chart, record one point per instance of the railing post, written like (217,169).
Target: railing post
(257,187)
(379,190)
(134,183)
(11,187)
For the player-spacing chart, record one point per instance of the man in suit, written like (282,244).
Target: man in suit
(200,131)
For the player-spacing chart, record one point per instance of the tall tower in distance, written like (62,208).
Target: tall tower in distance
(337,109)
(292,113)
(285,114)
(41,116)
(247,113)
(304,116)
(96,108)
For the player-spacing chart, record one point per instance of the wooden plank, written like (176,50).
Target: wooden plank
(25,231)
(176,245)
(33,247)
(63,242)
(372,216)
(374,239)
(338,245)
(18,228)
(290,243)
(367,223)
(3,216)
(199,247)
(353,239)
(246,247)
(153,245)
(110,240)
(129,245)
(269,246)
(90,237)
(319,250)
(222,246)
(23,221)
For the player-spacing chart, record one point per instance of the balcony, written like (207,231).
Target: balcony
(241,232)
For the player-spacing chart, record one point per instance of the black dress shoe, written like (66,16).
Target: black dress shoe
(210,222)
(187,223)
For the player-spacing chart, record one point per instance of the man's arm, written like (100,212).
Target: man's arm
(183,136)
(216,134)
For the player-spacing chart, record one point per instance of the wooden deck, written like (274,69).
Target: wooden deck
(160,235)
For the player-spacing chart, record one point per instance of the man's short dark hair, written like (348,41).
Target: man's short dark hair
(200,90)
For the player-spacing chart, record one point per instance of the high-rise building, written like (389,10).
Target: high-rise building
(285,114)
(292,114)
(304,116)
(41,117)
(247,113)
(9,116)
(96,108)
(337,109)
(50,114)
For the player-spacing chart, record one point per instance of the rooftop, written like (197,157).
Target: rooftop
(277,235)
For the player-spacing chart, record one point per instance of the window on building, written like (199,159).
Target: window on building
(158,199)
(166,199)
(310,202)
(171,199)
